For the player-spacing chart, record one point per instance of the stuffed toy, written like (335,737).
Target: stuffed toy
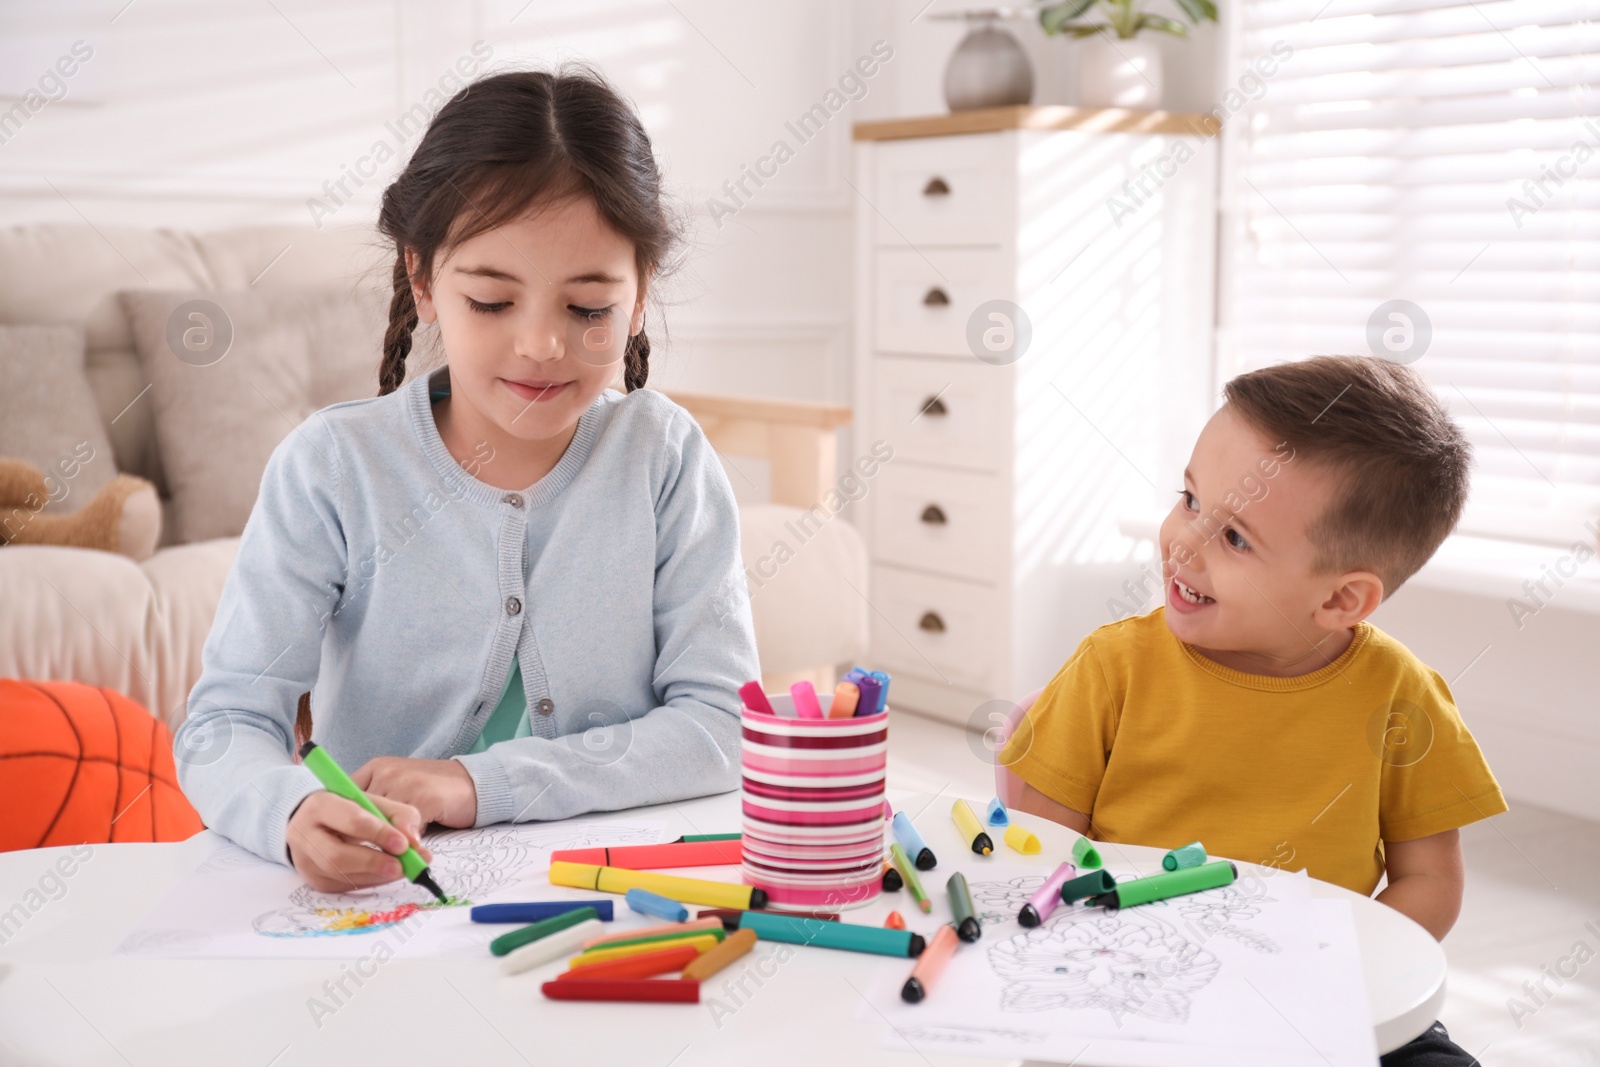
(124,516)
(85,765)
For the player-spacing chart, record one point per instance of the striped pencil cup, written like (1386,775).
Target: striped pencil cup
(813,806)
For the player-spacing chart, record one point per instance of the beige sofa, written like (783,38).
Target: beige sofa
(138,627)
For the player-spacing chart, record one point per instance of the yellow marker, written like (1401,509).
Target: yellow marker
(639,933)
(971,829)
(701,944)
(1022,840)
(738,943)
(683,890)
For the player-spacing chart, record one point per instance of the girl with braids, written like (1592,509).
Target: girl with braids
(512,589)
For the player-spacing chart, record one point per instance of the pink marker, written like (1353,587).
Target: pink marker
(805,700)
(755,699)
(1042,903)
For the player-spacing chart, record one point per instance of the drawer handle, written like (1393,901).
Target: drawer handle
(934,406)
(936,187)
(931,623)
(936,298)
(933,515)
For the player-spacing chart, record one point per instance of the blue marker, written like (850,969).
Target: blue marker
(647,903)
(534,911)
(883,688)
(912,842)
(997,815)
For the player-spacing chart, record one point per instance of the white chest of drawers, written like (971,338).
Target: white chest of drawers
(993,531)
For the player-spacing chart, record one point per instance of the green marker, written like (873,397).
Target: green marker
(1087,885)
(1084,857)
(962,915)
(1172,884)
(686,838)
(335,781)
(506,943)
(1181,859)
(908,873)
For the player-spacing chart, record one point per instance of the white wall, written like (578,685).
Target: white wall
(201,115)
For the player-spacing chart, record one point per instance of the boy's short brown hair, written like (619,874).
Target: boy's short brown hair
(1403,465)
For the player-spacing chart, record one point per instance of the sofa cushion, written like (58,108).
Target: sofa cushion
(233,373)
(48,414)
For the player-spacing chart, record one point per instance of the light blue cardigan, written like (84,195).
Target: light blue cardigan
(380,575)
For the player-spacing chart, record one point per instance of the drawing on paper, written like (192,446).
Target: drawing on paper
(924,1036)
(999,902)
(1218,911)
(1130,963)
(468,863)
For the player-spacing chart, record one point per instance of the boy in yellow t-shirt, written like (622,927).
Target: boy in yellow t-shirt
(1258,711)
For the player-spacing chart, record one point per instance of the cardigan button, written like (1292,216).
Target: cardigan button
(513,499)
(513,606)
(546,706)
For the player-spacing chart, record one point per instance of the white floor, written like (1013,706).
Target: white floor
(1533,882)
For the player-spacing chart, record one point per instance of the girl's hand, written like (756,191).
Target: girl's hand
(328,838)
(440,789)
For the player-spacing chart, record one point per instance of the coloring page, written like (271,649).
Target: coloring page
(235,904)
(1240,969)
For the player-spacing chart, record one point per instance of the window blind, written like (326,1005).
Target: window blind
(1446,154)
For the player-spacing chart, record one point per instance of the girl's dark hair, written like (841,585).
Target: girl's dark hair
(497,148)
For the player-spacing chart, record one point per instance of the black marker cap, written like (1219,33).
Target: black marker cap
(916,945)
(912,991)
(758,899)
(1028,916)
(926,860)
(892,882)
(969,930)
(306,749)
(982,845)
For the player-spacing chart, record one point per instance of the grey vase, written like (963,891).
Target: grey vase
(988,69)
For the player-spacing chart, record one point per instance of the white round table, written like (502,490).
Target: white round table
(65,1000)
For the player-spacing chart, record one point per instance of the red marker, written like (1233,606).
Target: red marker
(654,857)
(754,699)
(672,990)
(644,965)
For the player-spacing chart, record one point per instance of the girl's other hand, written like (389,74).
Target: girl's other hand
(328,838)
(440,789)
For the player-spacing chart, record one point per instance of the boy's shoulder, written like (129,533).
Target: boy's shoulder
(1141,643)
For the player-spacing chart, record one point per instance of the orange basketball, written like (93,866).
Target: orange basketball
(79,764)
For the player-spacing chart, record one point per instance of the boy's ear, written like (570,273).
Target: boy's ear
(1355,595)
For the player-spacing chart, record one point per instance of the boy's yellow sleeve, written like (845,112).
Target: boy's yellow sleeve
(1434,776)
(1061,746)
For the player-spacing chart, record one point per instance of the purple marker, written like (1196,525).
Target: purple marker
(1042,903)
(871,690)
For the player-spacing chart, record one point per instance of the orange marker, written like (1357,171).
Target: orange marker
(845,697)
(644,965)
(895,921)
(930,964)
(737,944)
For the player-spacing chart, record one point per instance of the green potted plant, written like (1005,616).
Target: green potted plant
(1116,68)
